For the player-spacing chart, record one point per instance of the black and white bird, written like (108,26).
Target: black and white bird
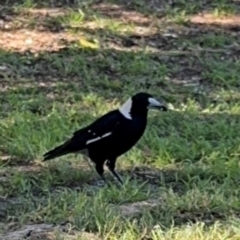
(112,135)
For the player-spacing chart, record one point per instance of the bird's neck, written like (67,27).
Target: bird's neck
(139,112)
(125,109)
(129,110)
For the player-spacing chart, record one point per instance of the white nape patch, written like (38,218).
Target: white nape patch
(89,131)
(126,108)
(153,102)
(98,138)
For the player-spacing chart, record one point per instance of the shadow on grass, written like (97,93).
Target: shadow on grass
(176,183)
(34,84)
(35,183)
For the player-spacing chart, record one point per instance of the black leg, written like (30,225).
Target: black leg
(100,171)
(111,167)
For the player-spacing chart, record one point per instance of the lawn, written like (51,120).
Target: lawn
(65,63)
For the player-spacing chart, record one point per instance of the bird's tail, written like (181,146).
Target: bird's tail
(57,152)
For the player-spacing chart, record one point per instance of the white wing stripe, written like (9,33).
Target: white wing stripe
(98,138)
(93,140)
(107,134)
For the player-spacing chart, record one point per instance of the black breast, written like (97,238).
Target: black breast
(125,136)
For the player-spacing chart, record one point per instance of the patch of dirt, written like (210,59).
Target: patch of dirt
(46,232)
(53,12)
(181,217)
(210,19)
(34,41)
(136,208)
(206,216)
(32,19)
(119,13)
(46,33)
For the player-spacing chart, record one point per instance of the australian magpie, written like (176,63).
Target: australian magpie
(112,135)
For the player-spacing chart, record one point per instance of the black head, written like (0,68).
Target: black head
(139,104)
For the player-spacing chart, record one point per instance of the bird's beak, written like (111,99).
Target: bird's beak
(154,104)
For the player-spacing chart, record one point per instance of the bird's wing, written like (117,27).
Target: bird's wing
(101,128)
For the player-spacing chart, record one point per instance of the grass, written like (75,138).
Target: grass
(66,68)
